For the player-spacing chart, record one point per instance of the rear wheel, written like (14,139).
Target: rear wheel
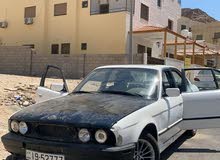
(147,149)
(191,133)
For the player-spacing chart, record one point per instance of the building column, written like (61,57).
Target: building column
(204,56)
(175,52)
(184,50)
(165,44)
(193,60)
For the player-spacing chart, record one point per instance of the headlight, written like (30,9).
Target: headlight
(101,136)
(14,126)
(23,128)
(84,135)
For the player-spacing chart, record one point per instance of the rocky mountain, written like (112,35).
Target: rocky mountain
(197,15)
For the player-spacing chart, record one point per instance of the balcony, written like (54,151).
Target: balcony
(109,6)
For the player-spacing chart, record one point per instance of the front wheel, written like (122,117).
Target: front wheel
(147,149)
(191,133)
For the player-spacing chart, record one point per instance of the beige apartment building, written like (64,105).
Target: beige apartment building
(210,32)
(83,26)
(207,34)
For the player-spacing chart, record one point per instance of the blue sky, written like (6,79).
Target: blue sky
(212,7)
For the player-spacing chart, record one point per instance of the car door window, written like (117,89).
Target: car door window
(217,75)
(177,79)
(167,81)
(202,78)
(54,80)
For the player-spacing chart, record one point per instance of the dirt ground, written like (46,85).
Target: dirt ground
(12,87)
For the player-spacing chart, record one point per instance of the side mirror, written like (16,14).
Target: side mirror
(173,92)
(58,87)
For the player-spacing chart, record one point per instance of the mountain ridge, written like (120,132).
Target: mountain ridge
(197,15)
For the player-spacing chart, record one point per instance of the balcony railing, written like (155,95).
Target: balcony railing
(109,6)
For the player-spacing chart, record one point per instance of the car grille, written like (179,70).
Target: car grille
(53,132)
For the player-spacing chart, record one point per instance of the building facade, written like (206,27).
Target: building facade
(82,26)
(210,32)
(207,34)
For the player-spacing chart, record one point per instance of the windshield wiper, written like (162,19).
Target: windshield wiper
(122,93)
(82,92)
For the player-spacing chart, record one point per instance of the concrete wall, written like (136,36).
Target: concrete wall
(174,62)
(22,61)
(15,60)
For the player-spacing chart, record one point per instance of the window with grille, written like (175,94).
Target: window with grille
(159,3)
(30,12)
(183,27)
(104,8)
(65,48)
(199,37)
(217,35)
(141,49)
(85,4)
(83,46)
(149,52)
(170,24)
(144,12)
(60,9)
(55,49)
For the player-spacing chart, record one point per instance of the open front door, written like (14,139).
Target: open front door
(51,88)
(201,109)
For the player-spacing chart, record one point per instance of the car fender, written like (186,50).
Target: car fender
(128,130)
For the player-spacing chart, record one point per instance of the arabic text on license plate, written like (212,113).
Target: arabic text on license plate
(33,155)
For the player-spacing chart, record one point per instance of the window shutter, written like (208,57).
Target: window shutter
(30,12)
(60,9)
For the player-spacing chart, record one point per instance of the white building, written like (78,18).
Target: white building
(161,13)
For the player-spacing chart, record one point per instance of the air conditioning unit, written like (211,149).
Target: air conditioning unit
(3,24)
(28,21)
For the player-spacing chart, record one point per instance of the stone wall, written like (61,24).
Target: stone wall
(23,61)
(15,60)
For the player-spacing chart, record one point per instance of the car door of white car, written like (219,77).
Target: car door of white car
(201,109)
(175,104)
(54,90)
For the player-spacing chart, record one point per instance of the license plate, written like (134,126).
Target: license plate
(33,155)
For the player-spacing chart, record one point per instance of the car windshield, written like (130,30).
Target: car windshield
(135,82)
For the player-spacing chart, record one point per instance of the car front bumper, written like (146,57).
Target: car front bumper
(16,144)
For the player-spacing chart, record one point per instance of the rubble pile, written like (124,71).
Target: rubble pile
(22,95)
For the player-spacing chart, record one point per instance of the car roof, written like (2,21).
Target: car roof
(156,67)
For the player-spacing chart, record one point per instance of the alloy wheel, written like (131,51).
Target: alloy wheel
(144,151)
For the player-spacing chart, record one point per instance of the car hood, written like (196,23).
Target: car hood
(83,110)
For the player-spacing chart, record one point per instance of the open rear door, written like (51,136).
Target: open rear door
(51,88)
(201,109)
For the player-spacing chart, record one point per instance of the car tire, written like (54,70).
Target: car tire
(147,144)
(191,133)
(15,157)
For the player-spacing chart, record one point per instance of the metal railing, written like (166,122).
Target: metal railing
(113,6)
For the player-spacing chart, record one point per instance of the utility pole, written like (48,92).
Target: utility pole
(130,54)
